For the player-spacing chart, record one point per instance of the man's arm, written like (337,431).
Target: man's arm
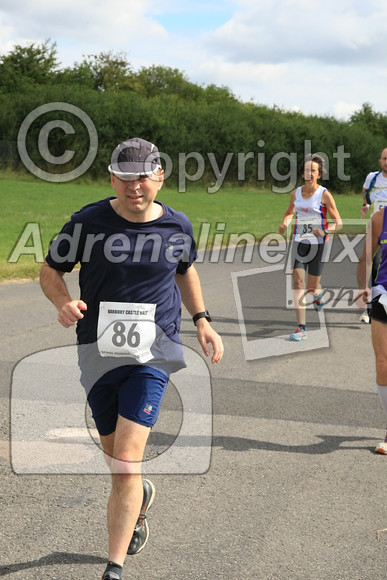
(365,207)
(192,298)
(55,288)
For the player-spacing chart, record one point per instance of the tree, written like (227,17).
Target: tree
(372,120)
(79,74)
(109,72)
(154,80)
(213,93)
(28,65)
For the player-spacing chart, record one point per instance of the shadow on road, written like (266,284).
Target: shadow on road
(328,444)
(50,560)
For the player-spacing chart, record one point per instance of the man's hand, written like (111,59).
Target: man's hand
(363,211)
(207,335)
(71,312)
(362,298)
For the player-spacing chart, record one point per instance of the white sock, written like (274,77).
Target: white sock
(382,396)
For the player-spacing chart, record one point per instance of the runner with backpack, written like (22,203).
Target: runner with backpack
(375,195)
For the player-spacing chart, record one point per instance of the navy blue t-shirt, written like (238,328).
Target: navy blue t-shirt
(125,262)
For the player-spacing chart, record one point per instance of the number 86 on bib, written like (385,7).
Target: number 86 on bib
(126,330)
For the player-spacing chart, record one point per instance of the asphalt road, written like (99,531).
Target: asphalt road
(280,483)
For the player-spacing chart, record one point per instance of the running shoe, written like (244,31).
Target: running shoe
(365,317)
(318,303)
(113,572)
(110,575)
(300,334)
(141,530)
(382,447)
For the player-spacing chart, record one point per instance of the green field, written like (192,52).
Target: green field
(24,200)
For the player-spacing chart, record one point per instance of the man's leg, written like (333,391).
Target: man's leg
(124,450)
(379,342)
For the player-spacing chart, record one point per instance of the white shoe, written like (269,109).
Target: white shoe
(364,317)
(381,448)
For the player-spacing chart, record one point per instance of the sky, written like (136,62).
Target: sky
(323,57)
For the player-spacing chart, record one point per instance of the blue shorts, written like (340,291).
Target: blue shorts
(133,391)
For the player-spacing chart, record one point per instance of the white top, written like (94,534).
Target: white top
(378,193)
(310,213)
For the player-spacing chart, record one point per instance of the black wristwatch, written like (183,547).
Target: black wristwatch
(204,314)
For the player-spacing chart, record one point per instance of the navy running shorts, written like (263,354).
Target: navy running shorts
(378,311)
(308,256)
(133,391)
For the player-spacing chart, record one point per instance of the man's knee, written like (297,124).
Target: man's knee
(125,462)
(126,482)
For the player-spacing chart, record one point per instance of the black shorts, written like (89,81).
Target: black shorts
(377,311)
(308,256)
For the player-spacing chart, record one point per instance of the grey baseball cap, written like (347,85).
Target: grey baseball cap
(134,157)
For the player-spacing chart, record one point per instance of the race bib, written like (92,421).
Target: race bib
(126,329)
(305,228)
(379,204)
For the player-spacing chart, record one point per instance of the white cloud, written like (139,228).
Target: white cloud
(272,31)
(245,73)
(343,110)
(93,26)
(6,43)
(319,57)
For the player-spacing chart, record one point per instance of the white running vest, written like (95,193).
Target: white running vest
(378,193)
(310,213)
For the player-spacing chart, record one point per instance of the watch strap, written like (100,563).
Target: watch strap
(205,314)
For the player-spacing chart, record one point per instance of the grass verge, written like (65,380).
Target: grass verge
(230,211)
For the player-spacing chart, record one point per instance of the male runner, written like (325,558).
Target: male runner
(136,257)
(375,195)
